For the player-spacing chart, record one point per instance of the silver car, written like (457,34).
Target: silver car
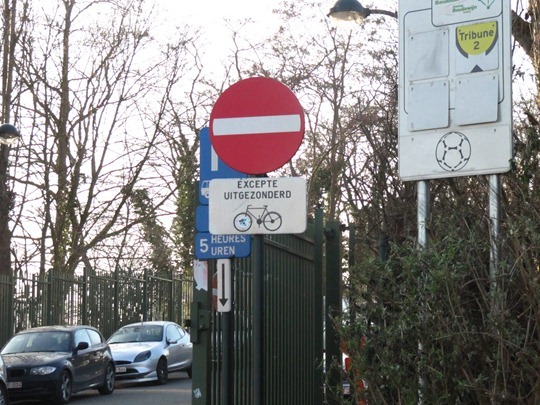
(149,351)
(3,390)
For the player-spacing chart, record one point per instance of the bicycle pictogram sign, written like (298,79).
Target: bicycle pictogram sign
(272,206)
(271,220)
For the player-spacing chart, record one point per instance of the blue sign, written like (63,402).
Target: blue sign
(202,218)
(208,246)
(212,167)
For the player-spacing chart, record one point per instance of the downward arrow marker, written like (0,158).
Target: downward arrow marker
(224,285)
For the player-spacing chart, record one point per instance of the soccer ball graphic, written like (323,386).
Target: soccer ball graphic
(453,151)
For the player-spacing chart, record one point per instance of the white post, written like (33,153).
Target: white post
(422,215)
(494,216)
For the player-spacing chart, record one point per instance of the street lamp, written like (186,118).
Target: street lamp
(8,134)
(352,10)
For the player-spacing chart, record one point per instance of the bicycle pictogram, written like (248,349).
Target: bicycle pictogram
(271,220)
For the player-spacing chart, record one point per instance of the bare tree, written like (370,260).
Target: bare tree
(95,114)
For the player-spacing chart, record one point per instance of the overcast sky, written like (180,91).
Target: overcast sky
(212,16)
(216,10)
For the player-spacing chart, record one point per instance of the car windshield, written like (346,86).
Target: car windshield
(138,333)
(52,341)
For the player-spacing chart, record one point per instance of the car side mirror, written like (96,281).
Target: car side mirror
(82,346)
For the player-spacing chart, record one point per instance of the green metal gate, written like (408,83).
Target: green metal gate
(293,327)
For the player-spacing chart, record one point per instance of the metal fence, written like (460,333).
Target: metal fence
(103,301)
(293,324)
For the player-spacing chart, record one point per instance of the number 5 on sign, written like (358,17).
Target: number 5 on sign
(203,245)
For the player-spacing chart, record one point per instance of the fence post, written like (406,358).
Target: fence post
(116,294)
(171,297)
(180,300)
(319,304)
(332,233)
(13,280)
(85,296)
(257,295)
(50,297)
(145,296)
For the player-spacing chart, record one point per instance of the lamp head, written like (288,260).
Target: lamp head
(349,10)
(8,134)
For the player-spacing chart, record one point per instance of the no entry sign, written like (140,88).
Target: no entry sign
(257,125)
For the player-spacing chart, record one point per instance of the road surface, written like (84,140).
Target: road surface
(176,392)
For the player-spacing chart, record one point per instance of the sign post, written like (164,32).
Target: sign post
(455,64)
(256,126)
(224,307)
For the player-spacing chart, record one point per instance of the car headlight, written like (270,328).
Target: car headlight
(142,356)
(44,370)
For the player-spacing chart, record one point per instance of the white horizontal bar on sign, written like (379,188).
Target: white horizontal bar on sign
(270,124)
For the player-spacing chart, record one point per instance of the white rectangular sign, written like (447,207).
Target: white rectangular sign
(455,88)
(458,11)
(258,205)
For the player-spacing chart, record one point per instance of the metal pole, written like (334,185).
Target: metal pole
(423,212)
(85,296)
(258,319)
(494,216)
(227,372)
(422,216)
(200,335)
(200,329)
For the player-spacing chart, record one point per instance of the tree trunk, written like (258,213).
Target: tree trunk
(6,196)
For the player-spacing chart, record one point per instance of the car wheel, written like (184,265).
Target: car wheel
(161,371)
(108,385)
(190,371)
(3,395)
(63,391)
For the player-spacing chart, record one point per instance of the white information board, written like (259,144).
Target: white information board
(455,101)
(258,205)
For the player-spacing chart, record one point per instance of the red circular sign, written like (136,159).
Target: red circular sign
(257,125)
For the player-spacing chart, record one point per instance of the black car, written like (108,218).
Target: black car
(3,388)
(54,362)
